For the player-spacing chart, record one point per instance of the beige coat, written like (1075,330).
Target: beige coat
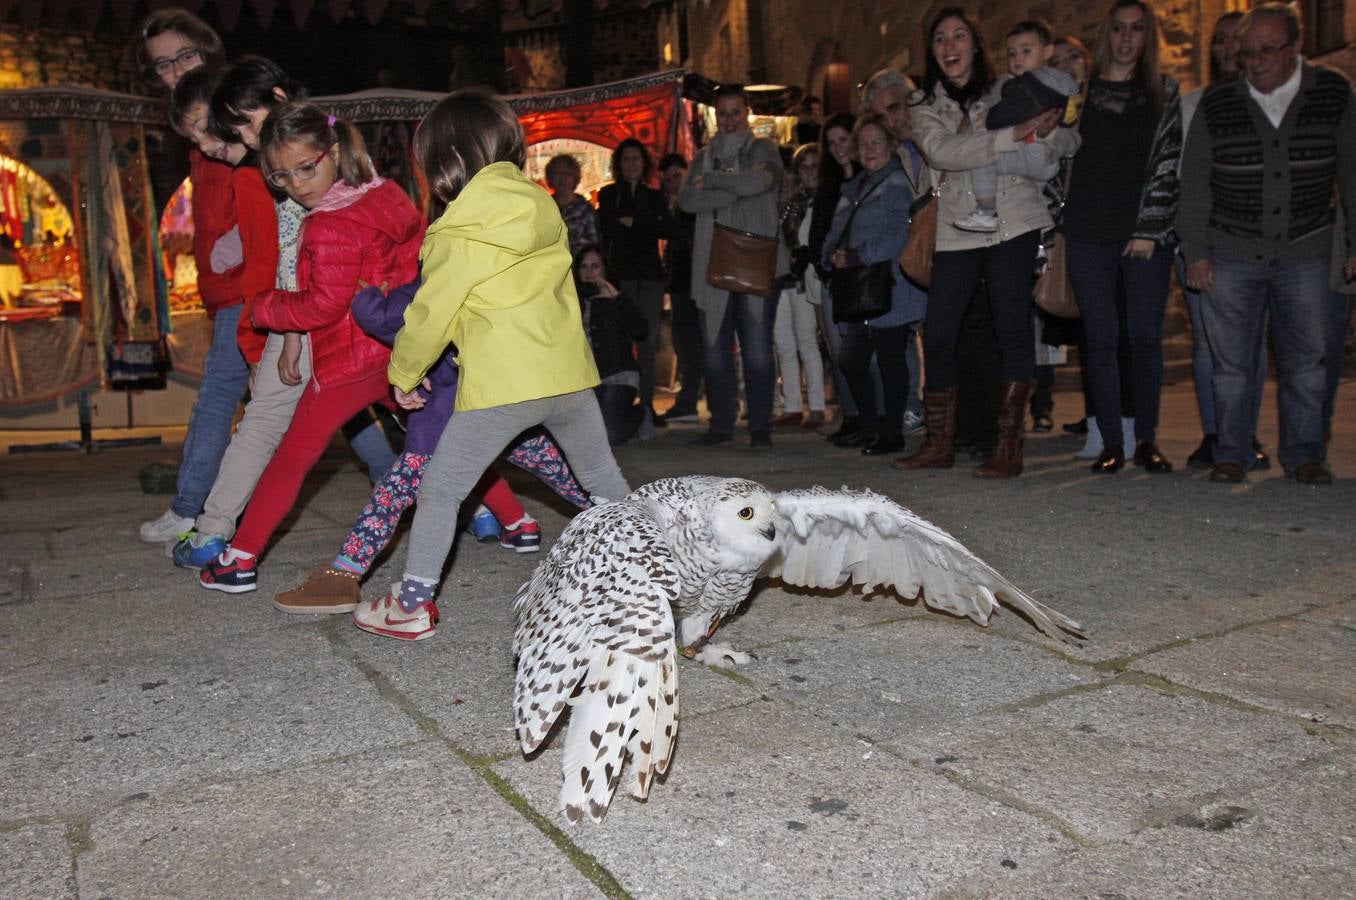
(951,153)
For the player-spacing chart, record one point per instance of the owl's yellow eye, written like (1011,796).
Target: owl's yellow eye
(746,513)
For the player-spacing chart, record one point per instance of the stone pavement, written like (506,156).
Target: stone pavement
(160,740)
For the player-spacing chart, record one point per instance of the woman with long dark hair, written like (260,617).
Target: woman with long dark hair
(632,218)
(836,168)
(1118,225)
(958,87)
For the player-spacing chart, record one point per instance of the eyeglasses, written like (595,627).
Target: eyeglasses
(1264,51)
(279,178)
(181,60)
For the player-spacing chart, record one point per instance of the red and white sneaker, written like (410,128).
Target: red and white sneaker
(523,536)
(385,617)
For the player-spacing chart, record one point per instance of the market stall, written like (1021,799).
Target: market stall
(99,290)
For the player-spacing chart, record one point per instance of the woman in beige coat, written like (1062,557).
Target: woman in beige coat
(948,126)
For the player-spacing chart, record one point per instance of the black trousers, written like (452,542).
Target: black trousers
(890,347)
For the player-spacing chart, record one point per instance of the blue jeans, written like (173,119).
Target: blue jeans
(225,377)
(755,348)
(1094,268)
(1296,296)
(1339,315)
(1202,369)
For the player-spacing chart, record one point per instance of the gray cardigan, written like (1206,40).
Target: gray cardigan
(736,193)
(1226,162)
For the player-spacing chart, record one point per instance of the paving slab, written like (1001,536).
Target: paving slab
(885,681)
(1112,761)
(84,734)
(1290,838)
(762,801)
(1258,665)
(37,863)
(411,821)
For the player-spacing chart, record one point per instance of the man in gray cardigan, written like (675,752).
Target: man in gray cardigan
(1255,221)
(734,179)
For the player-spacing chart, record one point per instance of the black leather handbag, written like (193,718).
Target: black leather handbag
(861,292)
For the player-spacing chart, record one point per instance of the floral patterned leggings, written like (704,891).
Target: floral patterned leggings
(397,490)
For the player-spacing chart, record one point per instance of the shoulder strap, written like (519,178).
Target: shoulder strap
(847,229)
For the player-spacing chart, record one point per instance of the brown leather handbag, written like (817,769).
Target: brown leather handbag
(741,262)
(1054,293)
(916,257)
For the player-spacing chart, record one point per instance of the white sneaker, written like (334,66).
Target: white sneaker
(1093,448)
(914,423)
(167,527)
(978,221)
(385,617)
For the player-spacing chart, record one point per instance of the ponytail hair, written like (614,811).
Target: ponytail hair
(303,121)
(463,133)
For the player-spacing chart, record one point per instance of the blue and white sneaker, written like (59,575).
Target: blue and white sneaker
(484,527)
(194,550)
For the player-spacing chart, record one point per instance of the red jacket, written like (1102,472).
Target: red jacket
(373,233)
(258,217)
(213,215)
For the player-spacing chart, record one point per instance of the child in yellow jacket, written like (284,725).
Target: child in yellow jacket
(497,284)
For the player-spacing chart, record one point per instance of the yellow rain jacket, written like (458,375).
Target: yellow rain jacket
(496,283)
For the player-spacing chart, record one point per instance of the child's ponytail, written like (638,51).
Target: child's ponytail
(308,122)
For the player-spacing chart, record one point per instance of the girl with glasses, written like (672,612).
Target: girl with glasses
(360,229)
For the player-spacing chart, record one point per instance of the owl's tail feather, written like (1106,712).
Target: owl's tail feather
(626,706)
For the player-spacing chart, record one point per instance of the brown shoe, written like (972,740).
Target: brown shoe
(786,420)
(813,419)
(1312,473)
(1006,459)
(939,449)
(1227,473)
(325,592)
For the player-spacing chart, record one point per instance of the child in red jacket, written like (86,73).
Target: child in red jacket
(360,228)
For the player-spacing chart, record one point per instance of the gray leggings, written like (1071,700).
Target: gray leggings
(474,438)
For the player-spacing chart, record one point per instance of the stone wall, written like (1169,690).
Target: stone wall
(798,36)
(32,58)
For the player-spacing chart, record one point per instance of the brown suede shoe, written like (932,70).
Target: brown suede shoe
(325,592)
(1227,473)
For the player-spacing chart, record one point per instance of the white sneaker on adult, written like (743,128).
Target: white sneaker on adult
(168,527)
(914,423)
(1093,448)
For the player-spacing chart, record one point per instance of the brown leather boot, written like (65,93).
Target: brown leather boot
(1006,459)
(939,449)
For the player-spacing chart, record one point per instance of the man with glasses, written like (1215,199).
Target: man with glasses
(1255,220)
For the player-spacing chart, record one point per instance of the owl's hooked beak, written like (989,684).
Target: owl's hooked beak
(770,532)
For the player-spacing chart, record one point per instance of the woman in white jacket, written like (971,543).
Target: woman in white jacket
(948,126)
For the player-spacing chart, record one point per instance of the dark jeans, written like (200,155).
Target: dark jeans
(978,364)
(890,348)
(1235,312)
(621,414)
(1339,315)
(1007,267)
(687,346)
(755,349)
(1095,269)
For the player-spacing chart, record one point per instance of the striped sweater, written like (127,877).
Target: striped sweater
(1253,191)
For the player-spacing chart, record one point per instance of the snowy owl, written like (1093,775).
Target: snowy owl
(596,631)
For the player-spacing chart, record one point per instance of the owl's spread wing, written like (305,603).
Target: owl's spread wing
(827,537)
(595,632)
